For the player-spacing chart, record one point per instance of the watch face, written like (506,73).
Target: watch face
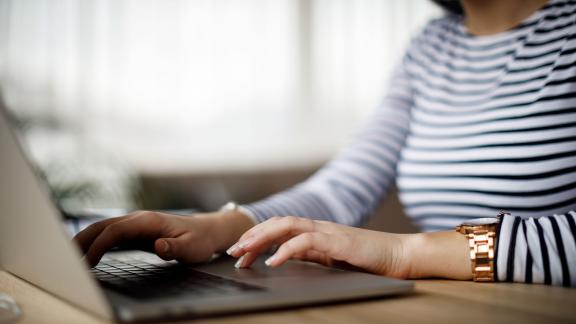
(481,221)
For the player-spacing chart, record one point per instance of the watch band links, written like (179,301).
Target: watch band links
(482,241)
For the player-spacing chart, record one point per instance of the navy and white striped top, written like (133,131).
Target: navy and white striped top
(470,126)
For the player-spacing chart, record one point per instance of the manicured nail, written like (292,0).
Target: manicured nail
(239,264)
(232,249)
(270,260)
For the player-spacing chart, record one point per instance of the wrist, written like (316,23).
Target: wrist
(438,255)
(227,227)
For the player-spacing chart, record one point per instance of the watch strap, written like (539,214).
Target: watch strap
(482,242)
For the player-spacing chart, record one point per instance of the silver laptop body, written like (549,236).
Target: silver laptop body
(35,246)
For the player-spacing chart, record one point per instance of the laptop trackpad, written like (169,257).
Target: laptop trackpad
(286,276)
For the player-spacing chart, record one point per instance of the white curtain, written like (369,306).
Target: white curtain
(202,84)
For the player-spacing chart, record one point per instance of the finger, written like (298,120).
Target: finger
(255,229)
(246,260)
(300,256)
(332,246)
(170,248)
(85,238)
(120,232)
(317,257)
(182,248)
(312,256)
(269,234)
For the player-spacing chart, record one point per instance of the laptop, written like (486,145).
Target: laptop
(131,286)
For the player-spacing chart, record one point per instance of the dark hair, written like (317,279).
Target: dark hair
(450,6)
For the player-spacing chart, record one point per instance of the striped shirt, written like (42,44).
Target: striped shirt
(471,125)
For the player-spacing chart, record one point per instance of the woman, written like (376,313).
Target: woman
(480,117)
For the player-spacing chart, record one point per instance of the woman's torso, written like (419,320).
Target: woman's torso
(494,121)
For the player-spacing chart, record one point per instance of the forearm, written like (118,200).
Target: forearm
(314,199)
(438,255)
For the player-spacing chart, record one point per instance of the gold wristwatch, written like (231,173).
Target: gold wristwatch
(481,235)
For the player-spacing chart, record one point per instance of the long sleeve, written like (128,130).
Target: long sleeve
(350,187)
(470,126)
(537,250)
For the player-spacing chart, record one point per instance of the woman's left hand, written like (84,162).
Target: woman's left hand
(326,243)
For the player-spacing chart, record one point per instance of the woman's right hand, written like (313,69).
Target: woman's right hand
(188,239)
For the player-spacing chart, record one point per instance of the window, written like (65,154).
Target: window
(206,84)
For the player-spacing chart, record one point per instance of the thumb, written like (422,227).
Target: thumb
(170,248)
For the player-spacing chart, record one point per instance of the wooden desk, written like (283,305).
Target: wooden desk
(435,301)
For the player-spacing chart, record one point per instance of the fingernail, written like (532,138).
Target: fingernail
(270,260)
(164,247)
(238,245)
(239,264)
(232,249)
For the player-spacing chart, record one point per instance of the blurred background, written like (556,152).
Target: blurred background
(155,104)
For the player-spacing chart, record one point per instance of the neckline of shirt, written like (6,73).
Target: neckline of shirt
(513,32)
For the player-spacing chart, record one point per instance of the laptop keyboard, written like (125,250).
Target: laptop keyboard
(140,278)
